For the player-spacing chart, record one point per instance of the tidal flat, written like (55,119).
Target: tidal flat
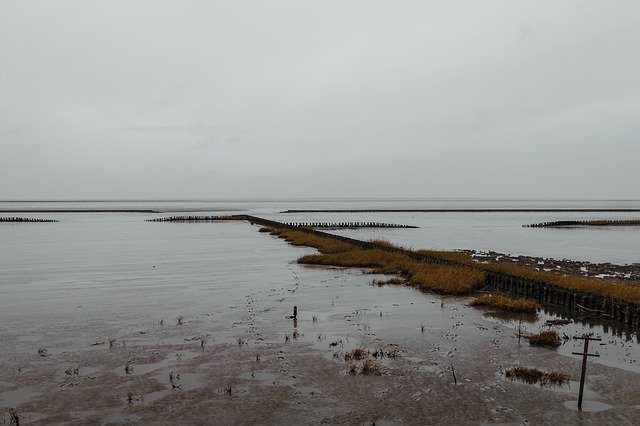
(176,323)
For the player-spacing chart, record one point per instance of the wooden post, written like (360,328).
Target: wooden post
(585,353)
(455,381)
(295,312)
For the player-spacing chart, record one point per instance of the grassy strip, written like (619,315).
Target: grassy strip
(533,376)
(506,303)
(418,273)
(462,278)
(608,289)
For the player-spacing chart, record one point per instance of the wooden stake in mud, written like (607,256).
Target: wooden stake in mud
(455,381)
(584,354)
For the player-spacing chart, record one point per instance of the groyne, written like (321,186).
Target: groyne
(464,211)
(577,223)
(78,211)
(25,220)
(580,304)
(349,225)
(188,219)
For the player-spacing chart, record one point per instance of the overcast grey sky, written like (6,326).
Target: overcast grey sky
(217,99)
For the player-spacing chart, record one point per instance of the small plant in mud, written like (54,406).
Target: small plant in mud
(128,369)
(42,352)
(241,341)
(390,351)
(368,367)
(161,322)
(179,320)
(314,319)
(257,356)
(533,375)
(112,343)
(295,334)
(287,337)
(173,379)
(546,339)
(356,354)
(72,371)
(202,342)
(14,419)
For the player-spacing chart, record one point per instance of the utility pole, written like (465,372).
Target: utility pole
(585,353)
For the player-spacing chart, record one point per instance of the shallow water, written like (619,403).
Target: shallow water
(72,286)
(502,232)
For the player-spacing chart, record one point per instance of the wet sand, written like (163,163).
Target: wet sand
(236,358)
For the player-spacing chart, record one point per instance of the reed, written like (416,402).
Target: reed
(546,339)
(533,375)
(442,271)
(507,303)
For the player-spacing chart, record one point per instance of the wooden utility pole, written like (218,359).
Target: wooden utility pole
(585,353)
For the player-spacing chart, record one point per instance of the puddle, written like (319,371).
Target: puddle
(588,406)
(13,398)
(176,358)
(615,350)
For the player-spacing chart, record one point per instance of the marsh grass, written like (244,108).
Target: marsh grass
(418,273)
(506,303)
(546,339)
(368,367)
(461,275)
(179,320)
(533,375)
(357,354)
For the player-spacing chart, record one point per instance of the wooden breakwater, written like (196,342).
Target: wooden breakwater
(580,304)
(572,223)
(188,219)
(588,304)
(349,225)
(78,211)
(25,220)
(463,211)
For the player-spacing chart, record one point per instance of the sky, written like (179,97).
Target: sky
(314,99)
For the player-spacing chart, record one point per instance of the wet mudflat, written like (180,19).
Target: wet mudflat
(105,304)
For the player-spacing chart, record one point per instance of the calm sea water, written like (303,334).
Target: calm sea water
(501,232)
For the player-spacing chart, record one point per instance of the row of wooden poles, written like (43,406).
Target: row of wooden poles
(184,219)
(555,223)
(349,225)
(25,219)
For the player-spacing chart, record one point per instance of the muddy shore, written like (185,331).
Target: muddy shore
(240,360)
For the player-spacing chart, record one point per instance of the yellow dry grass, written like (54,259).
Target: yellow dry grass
(461,278)
(419,273)
(507,303)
